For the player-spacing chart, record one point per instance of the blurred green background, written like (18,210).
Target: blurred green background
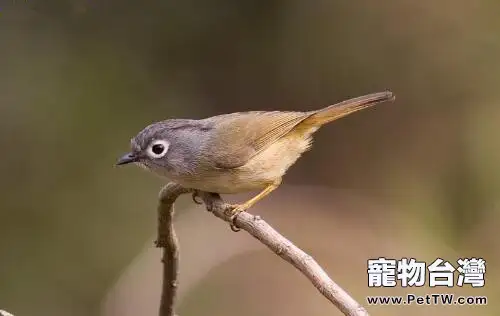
(79,78)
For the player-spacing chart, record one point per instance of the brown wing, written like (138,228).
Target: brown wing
(240,136)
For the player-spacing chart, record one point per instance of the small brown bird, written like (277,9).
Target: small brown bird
(237,152)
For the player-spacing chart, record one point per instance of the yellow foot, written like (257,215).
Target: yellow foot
(233,212)
(238,208)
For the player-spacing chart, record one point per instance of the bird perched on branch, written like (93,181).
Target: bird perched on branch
(237,152)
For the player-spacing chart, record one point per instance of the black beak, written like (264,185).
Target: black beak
(126,159)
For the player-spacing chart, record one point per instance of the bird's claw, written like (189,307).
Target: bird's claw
(196,198)
(234,212)
(233,227)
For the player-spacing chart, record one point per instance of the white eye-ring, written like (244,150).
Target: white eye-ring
(158,149)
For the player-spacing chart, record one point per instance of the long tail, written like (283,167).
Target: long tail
(344,108)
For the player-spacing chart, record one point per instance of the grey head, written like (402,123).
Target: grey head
(169,148)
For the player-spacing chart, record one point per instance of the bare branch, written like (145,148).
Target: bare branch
(256,227)
(167,239)
(262,231)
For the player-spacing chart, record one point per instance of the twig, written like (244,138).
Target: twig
(259,229)
(284,248)
(167,239)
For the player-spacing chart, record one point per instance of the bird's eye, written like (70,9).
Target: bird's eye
(158,149)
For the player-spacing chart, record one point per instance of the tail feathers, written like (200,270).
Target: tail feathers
(344,108)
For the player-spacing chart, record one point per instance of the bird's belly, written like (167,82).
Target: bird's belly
(223,182)
(259,172)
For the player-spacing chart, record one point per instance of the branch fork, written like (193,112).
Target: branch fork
(255,226)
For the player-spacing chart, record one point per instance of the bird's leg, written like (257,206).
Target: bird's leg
(238,208)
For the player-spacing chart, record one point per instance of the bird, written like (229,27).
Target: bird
(236,152)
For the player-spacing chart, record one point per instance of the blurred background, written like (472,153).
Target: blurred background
(416,178)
